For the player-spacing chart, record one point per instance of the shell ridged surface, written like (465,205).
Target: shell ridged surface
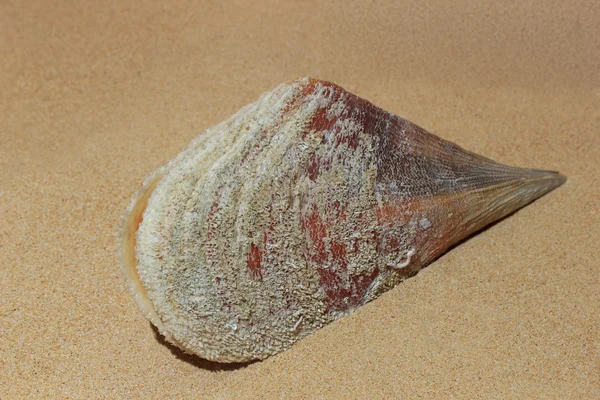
(296,210)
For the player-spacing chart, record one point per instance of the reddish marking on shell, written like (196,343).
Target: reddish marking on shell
(309,88)
(254,262)
(390,244)
(256,149)
(313,224)
(388,212)
(321,122)
(367,115)
(339,297)
(316,166)
(313,167)
(338,253)
(342,291)
(350,140)
(316,228)
(367,120)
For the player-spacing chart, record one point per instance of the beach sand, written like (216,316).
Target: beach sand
(96,95)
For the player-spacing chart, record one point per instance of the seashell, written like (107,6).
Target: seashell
(295,211)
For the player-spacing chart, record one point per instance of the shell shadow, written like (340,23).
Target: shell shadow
(195,360)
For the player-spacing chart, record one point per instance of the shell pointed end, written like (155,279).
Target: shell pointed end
(540,182)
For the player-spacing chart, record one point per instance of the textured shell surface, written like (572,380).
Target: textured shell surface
(301,207)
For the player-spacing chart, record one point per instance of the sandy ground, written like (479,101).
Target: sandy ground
(95,95)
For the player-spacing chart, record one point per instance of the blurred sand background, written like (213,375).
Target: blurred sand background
(95,95)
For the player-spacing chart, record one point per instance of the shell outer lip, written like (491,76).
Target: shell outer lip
(130,222)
